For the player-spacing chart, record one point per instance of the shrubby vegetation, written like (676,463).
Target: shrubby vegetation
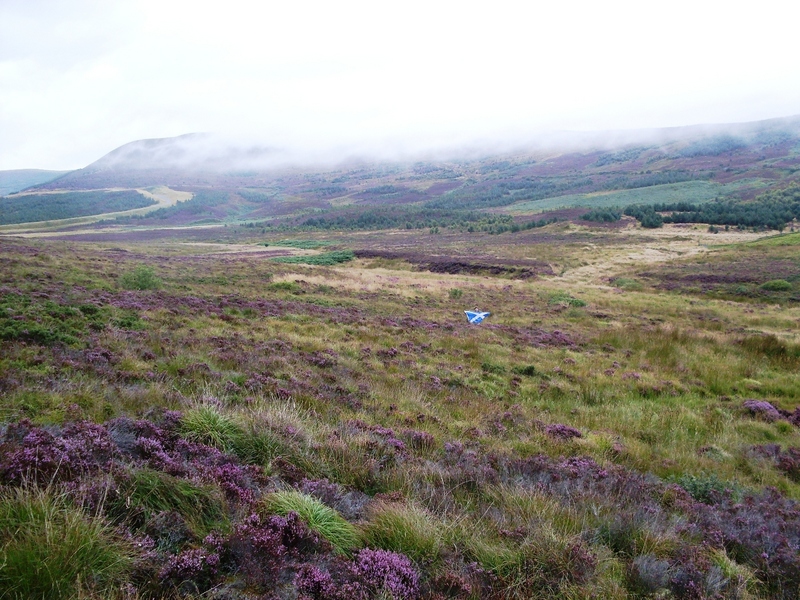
(298,447)
(713,146)
(66,205)
(327,259)
(399,217)
(772,210)
(603,215)
(300,244)
(142,277)
(646,215)
(386,190)
(199,205)
(633,181)
(266,429)
(620,156)
(505,193)
(259,196)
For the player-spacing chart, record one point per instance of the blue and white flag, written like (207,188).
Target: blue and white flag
(474,316)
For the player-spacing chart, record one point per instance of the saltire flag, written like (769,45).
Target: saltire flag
(475,316)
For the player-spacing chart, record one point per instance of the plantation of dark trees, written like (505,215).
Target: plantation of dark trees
(49,207)
(772,210)
(389,217)
(505,193)
(603,215)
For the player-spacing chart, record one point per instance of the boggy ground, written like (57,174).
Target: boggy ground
(242,428)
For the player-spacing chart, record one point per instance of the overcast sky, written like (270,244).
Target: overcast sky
(81,77)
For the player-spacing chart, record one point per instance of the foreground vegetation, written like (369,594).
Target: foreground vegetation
(188,424)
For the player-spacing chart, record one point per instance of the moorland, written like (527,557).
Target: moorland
(266,387)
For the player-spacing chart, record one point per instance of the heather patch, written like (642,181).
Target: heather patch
(44,321)
(644,445)
(372,573)
(742,275)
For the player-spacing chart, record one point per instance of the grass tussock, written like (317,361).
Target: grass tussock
(52,549)
(151,492)
(206,424)
(322,519)
(407,529)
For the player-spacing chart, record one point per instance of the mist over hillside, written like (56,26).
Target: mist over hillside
(199,158)
(20,179)
(489,185)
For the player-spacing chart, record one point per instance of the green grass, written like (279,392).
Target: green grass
(322,519)
(696,192)
(784,239)
(205,424)
(300,244)
(153,492)
(50,549)
(326,259)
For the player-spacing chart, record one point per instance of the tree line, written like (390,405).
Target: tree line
(67,205)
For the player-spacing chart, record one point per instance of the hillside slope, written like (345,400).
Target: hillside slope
(245,183)
(19,179)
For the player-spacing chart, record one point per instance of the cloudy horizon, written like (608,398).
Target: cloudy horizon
(79,78)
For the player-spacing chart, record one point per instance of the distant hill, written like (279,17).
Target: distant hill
(191,159)
(20,179)
(235,182)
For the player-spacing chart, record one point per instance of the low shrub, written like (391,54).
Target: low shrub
(526,370)
(301,244)
(488,367)
(706,488)
(190,571)
(141,278)
(284,286)
(260,546)
(626,283)
(564,298)
(371,574)
(776,285)
(562,432)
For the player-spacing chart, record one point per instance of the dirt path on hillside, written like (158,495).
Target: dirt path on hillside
(162,195)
